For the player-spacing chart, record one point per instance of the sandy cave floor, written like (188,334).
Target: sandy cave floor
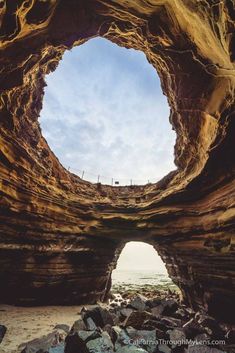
(25,324)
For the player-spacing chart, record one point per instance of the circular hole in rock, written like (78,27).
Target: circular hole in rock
(105,117)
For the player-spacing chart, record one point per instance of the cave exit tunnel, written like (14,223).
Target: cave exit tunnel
(60,236)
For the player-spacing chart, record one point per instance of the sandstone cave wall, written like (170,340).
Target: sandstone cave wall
(60,236)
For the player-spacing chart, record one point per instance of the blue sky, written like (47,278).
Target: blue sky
(104,112)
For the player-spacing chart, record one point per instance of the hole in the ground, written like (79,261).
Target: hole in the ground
(105,117)
(141,269)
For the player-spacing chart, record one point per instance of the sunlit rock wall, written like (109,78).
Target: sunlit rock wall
(60,236)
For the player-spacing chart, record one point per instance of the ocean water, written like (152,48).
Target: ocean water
(139,279)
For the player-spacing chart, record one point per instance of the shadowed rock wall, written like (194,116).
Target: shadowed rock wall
(59,235)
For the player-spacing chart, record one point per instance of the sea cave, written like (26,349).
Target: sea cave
(61,235)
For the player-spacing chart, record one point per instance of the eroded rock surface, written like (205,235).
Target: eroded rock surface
(60,236)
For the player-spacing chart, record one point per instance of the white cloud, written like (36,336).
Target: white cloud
(104,113)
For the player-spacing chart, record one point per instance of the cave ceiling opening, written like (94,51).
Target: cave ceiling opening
(104,114)
(51,219)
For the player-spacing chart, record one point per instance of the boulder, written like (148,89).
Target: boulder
(3,331)
(50,343)
(125,312)
(79,325)
(177,337)
(170,306)
(75,344)
(102,344)
(138,303)
(166,307)
(143,339)
(99,315)
(133,341)
(136,319)
(77,341)
(115,333)
(157,311)
(163,348)
(121,338)
(90,325)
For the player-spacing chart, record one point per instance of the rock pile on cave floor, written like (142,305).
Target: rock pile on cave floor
(142,325)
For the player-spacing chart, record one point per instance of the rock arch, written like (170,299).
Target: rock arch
(59,234)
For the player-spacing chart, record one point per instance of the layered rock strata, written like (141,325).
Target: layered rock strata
(60,236)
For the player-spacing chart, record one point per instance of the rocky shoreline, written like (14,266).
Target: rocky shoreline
(134,323)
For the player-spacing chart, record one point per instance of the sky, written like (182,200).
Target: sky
(104,113)
(148,258)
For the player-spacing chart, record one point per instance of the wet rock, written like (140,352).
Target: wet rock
(138,303)
(3,331)
(121,338)
(90,325)
(108,328)
(76,341)
(115,318)
(88,335)
(79,325)
(167,307)
(115,332)
(50,343)
(99,315)
(157,311)
(137,318)
(101,344)
(132,340)
(170,306)
(143,339)
(76,345)
(163,348)
(177,337)
(124,313)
